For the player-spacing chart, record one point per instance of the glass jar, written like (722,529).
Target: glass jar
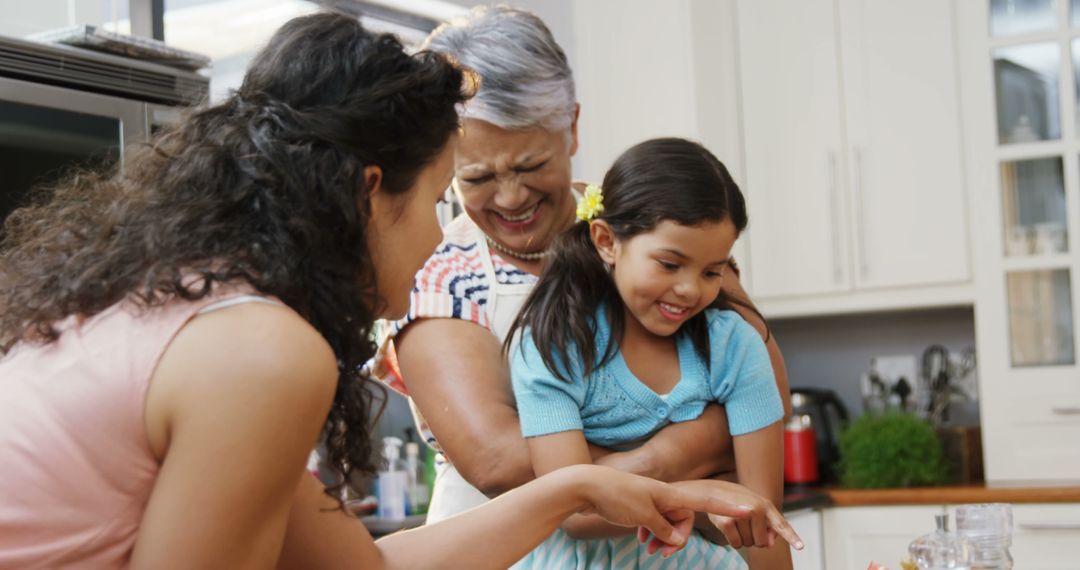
(989,528)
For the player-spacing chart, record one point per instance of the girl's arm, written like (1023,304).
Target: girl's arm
(550,408)
(742,377)
(697,449)
(759,462)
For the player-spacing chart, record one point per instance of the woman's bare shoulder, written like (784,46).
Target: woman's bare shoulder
(232,358)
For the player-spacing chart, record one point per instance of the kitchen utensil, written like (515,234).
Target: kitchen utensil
(936,371)
(902,389)
(935,365)
(875,392)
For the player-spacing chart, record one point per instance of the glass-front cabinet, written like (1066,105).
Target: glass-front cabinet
(1020,77)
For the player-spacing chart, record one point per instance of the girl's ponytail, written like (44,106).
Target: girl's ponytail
(559,312)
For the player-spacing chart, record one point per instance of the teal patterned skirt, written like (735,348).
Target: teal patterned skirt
(560,552)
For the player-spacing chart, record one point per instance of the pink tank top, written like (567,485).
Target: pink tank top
(76,469)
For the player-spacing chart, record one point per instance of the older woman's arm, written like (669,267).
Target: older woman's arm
(458,378)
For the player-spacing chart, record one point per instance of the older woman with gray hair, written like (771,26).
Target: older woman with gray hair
(513,176)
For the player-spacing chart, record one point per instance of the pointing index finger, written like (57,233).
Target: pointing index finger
(783,528)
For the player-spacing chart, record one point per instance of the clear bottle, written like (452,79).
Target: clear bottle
(941,549)
(418,491)
(989,528)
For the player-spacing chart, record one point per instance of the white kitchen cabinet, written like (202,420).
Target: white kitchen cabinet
(1045,535)
(855,536)
(807,523)
(1023,154)
(793,143)
(853,155)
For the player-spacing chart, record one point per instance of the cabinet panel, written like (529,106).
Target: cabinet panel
(1045,536)
(809,526)
(790,92)
(856,535)
(903,129)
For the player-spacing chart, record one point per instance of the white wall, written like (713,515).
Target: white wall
(635,76)
(650,68)
(647,68)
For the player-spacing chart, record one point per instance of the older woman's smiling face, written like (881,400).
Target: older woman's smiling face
(515,184)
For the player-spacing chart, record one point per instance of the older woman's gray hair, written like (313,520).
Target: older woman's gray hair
(525,80)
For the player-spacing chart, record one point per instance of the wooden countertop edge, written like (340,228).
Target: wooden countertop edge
(953,495)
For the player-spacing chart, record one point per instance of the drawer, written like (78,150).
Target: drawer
(1046,536)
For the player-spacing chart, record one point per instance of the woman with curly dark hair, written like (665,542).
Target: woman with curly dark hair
(176,335)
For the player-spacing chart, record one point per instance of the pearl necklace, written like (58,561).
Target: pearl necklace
(524,256)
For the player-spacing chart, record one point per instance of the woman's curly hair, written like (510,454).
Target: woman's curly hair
(266,188)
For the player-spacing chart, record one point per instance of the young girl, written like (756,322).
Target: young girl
(625,333)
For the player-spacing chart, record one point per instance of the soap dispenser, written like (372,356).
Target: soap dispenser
(392,482)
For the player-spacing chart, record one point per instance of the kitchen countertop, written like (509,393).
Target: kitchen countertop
(955,494)
(797,498)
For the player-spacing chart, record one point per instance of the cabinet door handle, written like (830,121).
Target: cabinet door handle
(1066,410)
(860,223)
(1051,526)
(834,206)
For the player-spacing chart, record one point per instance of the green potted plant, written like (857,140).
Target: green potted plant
(891,450)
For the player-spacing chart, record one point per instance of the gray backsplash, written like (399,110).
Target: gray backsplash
(834,352)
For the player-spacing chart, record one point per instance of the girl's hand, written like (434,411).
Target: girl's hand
(630,500)
(740,533)
(758,526)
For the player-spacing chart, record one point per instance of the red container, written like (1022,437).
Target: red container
(800,451)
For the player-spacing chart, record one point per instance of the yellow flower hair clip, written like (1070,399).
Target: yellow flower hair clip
(591,203)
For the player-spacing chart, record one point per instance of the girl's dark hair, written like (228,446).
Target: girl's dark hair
(657,180)
(266,188)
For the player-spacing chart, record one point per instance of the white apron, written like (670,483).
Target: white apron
(453,494)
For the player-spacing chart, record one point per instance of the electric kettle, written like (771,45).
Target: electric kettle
(828,415)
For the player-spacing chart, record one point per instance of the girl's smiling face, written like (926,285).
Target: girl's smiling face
(668,274)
